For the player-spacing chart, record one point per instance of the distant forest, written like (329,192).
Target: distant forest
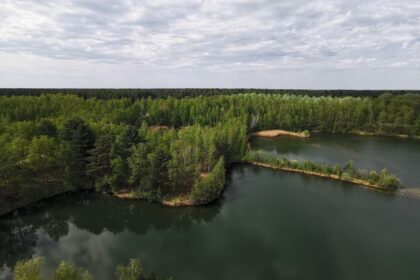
(136,93)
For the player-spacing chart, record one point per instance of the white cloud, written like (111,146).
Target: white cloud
(84,42)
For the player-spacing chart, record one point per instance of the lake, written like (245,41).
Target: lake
(268,225)
(400,156)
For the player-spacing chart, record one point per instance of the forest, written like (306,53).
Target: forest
(165,148)
(138,93)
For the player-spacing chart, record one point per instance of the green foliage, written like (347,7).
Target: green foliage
(67,271)
(44,152)
(162,146)
(208,188)
(348,172)
(138,93)
(29,270)
(387,180)
(99,166)
(139,166)
(349,168)
(47,128)
(33,270)
(17,150)
(80,139)
(132,271)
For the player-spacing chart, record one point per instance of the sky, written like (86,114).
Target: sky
(304,44)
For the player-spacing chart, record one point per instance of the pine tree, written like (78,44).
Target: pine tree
(99,166)
(80,139)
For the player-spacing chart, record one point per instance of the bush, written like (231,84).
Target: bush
(388,181)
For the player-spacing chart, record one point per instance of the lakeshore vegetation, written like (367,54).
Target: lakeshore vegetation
(382,180)
(166,148)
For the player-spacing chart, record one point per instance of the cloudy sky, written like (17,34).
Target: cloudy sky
(210,43)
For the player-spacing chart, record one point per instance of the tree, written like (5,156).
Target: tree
(44,152)
(30,269)
(80,139)
(139,168)
(99,166)
(387,180)
(132,271)
(208,188)
(373,177)
(349,168)
(120,152)
(67,271)
(46,127)
(33,269)
(159,171)
(336,169)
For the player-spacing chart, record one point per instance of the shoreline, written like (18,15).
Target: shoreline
(40,200)
(180,200)
(273,133)
(335,177)
(185,201)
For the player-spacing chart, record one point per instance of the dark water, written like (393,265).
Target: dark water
(400,156)
(269,225)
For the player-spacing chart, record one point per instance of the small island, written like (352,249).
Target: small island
(348,173)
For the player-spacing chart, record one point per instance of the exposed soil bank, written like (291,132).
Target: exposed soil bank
(335,177)
(176,200)
(279,132)
(173,201)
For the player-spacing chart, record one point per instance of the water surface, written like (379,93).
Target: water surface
(400,156)
(269,225)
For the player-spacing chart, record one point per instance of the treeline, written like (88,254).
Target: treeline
(348,172)
(138,93)
(33,269)
(167,147)
(383,115)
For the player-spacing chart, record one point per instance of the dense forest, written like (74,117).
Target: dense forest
(138,93)
(33,269)
(161,148)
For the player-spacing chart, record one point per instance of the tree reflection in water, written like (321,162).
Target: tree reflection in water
(92,212)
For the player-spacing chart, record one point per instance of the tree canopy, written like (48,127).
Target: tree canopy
(165,147)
